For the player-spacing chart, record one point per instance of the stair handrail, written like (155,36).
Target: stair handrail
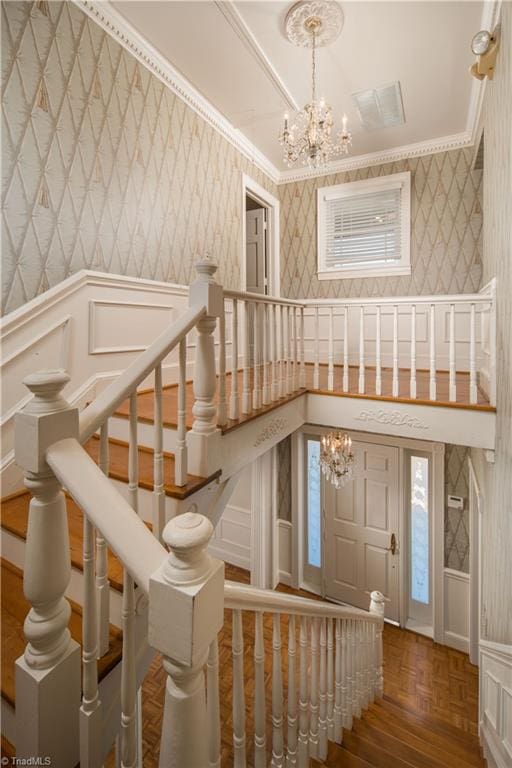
(262,297)
(106,403)
(246,598)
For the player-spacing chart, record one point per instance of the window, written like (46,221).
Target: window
(420,544)
(364,228)
(314,537)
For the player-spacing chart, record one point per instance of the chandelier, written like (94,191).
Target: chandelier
(336,458)
(309,138)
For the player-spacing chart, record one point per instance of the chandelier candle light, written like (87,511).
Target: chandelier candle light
(336,458)
(313,23)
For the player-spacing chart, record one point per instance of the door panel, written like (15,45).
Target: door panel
(255,251)
(358,522)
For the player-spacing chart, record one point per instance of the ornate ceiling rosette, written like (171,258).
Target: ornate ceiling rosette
(324,17)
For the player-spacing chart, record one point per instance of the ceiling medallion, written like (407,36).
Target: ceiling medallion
(325,16)
(309,139)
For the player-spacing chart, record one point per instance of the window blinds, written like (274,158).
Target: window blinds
(363,229)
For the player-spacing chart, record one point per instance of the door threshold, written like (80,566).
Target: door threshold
(420,629)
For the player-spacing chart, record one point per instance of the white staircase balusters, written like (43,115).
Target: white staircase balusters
(346,700)
(260,741)
(158,517)
(282,353)
(222,412)
(246,352)
(322,694)
(102,582)
(432,372)
(291,734)
(90,711)
(377,607)
(256,388)
(277,696)
(295,369)
(378,351)
(339,684)
(412,383)
(330,357)
(213,705)
(274,309)
(473,394)
(395,385)
(452,372)
(181,455)
(289,352)
(316,351)
(313,690)
(302,378)
(303,745)
(330,679)
(266,348)
(51,656)
(239,738)
(345,351)
(233,398)
(361,352)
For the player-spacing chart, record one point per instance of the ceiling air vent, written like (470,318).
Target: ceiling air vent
(380,107)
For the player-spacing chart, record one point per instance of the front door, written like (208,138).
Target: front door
(361,530)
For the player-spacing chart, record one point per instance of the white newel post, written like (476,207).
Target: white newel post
(204,438)
(48,687)
(186,613)
(377,606)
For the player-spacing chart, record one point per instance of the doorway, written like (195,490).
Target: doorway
(383,530)
(260,265)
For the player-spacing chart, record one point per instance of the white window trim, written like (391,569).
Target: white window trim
(394,180)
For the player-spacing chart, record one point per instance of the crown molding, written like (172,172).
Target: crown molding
(420,149)
(110,20)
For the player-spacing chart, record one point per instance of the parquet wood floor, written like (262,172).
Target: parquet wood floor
(427,719)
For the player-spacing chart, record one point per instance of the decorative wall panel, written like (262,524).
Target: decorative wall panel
(446,226)
(284,481)
(496,480)
(456,522)
(103,167)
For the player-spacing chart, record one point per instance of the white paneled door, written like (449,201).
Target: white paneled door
(361,530)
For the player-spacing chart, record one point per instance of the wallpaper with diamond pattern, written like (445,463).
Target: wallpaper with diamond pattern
(496,480)
(456,522)
(446,227)
(284,481)
(103,167)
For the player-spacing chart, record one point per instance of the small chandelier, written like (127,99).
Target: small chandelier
(311,23)
(336,458)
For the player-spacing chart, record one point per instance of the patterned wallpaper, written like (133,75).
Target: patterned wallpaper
(446,227)
(496,480)
(456,522)
(103,167)
(284,480)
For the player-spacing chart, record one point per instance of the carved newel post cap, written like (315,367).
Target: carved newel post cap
(187,536)
(46,387)
(206,268)
(377,602)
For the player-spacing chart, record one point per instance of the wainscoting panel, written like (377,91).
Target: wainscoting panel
(456,609)
(496,703)
(231,540)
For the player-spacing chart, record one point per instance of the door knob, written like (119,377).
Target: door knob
(393,547)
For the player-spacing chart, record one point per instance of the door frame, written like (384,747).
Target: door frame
(404,444)
(476,510)
(261,195)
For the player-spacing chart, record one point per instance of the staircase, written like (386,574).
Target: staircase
(81,624)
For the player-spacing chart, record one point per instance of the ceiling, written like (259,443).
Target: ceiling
(237,57)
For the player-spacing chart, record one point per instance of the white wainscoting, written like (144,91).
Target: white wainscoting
(284,544)
(456,609)
(231,540)
(496,703)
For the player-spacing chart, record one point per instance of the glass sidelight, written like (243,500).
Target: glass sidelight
(420,537)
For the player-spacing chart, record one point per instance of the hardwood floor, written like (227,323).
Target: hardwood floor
(427,718)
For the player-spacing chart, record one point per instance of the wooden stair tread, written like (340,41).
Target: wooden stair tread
(118,455)
(464,749)
(420,754)
(339,757)
(14,518)
(14,611)
(374,754)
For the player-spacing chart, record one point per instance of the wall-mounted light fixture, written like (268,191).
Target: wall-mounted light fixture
(485,47)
